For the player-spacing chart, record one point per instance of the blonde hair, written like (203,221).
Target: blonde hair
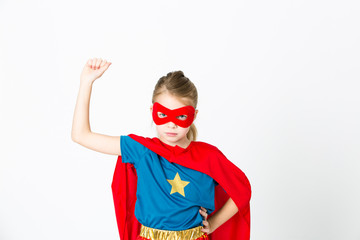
(180,86)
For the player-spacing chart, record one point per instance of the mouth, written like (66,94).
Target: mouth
(171,134)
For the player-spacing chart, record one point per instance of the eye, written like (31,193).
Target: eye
(161,115)
(182,117)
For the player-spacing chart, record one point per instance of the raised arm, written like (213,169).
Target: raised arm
(81,132)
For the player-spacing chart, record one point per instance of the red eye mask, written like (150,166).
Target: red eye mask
(171,115)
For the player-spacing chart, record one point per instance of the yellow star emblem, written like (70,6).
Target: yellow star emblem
(177,185)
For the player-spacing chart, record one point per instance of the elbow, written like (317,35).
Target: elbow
(74,138)
(78,137)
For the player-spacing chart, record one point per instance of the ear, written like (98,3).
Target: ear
(151,109)
(196,112)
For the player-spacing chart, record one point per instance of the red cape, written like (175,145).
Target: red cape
(201,157)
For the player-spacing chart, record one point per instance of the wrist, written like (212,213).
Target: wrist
(86,84)
(211,224)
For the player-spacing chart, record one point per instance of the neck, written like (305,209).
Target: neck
(183,143)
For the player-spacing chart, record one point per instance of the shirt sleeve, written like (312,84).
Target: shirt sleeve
(131,150)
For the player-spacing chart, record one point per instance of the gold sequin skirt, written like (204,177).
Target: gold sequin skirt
(147,233)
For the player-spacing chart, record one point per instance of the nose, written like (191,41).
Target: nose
(171,125)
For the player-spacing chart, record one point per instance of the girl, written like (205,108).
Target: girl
(170,186)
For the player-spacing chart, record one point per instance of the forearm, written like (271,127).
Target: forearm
(223,214)
(81,122)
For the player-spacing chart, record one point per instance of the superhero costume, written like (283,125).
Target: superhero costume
(168,195)
(201,157)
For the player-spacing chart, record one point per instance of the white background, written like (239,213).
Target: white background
(278,85)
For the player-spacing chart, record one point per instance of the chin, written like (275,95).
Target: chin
(171,139)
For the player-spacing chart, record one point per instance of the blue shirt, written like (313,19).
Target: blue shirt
(169,195)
